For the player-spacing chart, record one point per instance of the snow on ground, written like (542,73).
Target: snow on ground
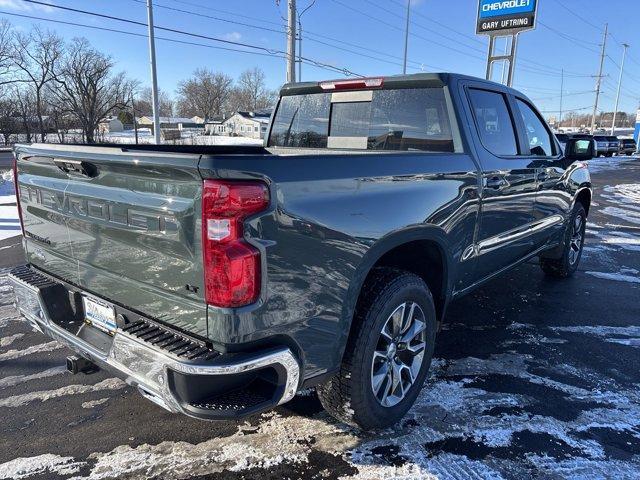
(7,190)
(600,164)
(13,380)
(17,353)
(40,465)
(24,399)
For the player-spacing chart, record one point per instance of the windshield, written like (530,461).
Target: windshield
(400,119)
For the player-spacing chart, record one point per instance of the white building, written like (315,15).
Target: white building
(171,123)
(110,125)
(246,124)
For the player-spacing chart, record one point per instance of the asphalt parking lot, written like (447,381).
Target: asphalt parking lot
(532,378)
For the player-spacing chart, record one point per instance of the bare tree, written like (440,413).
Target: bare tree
(252,93)
(86,85)
(204,94)
(8,123)
(6,53)
(36,56)
(25,105)
(143,103)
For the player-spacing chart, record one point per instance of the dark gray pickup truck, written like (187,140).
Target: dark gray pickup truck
(221,280)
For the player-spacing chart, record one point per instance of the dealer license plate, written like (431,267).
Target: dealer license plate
(100,315)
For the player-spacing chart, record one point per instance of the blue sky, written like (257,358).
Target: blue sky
(443,39)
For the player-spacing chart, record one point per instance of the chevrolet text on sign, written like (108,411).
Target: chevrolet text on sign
(511,15)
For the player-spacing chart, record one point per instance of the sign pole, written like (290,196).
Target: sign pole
(512,59)
(505,19)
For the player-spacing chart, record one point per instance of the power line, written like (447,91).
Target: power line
(166,39)
(575,41)
(578,16)
(226,20)
(282,31)
(567,110)
(563,95)
(539,71)
(196,35)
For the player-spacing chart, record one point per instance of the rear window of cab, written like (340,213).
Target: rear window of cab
(412,119)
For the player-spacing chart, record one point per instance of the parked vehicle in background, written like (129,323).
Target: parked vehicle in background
(606,145)
(222,280)
(613,145)
(628,146)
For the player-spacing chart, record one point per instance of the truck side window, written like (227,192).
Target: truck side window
(410,119)
(540,143)
(494,122)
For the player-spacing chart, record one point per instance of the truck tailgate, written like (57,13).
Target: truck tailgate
(124,225)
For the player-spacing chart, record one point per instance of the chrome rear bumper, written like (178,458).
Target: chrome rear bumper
(153,370)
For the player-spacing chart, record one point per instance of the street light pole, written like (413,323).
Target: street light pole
(154,74)
(406,38)
(615,110)
(599,81)
(561,98)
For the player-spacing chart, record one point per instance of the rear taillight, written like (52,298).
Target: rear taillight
(232,274)
(15,183)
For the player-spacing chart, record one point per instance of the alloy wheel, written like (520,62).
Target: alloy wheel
(577,239)
(399,354)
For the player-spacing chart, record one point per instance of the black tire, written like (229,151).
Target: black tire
(349,396)
(567,264)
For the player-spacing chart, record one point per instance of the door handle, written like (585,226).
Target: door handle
(496,183)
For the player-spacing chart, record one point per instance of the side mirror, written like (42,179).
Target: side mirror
(579,149)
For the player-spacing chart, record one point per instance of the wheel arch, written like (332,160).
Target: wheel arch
(583,197)
(394,250)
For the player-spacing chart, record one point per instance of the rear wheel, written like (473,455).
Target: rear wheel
(567,264)
(388,353)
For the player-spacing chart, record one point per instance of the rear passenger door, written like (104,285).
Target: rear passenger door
(508,181)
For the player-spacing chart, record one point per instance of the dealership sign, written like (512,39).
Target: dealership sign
(508,16)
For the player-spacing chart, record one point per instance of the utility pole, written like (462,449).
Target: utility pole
(599,81)
(406,38)
(154,75)
(291,42)
(615,110)
(299,50)
(561,94)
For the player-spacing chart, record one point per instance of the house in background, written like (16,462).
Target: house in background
(215,126)
(173,123)
(110,125)
(247,124)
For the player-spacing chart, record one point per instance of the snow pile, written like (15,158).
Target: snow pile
(274,441)
(47,463)
(94,403)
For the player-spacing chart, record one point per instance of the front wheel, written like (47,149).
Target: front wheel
(567,264)
(388,353)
